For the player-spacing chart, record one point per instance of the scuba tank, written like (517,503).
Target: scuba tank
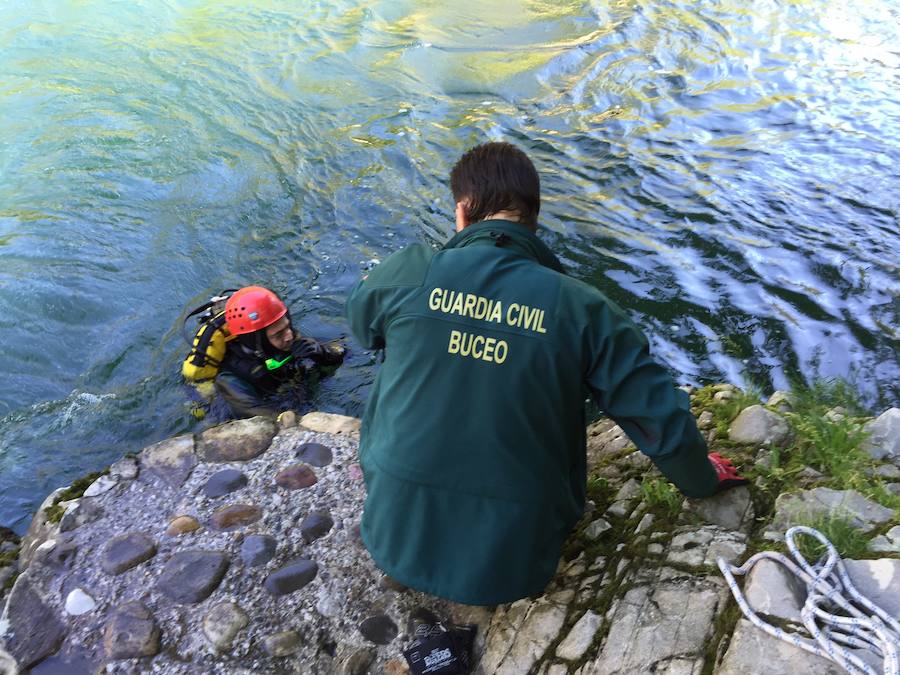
(209,342)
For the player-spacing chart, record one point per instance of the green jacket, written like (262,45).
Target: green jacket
(473,439)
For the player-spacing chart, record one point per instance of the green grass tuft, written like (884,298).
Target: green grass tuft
(849,542)
(658,493)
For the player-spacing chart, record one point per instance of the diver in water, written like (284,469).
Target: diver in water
(252,354)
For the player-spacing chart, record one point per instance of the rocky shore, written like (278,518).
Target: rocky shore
(237,551)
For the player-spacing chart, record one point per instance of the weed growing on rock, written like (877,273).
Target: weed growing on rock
(55,511)
(660,494)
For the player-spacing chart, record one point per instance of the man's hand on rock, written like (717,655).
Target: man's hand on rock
(725,472)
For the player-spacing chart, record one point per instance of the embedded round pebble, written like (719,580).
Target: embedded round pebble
(292,577)
(282,644)
(315,525)
(126,551)
(258,549)
(182,525)
(295,477)
(131,632)
(224,482)
(315,454)
(234,515)
(78,602)
(378,629)
(191,576)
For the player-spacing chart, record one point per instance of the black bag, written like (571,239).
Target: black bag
(438,650)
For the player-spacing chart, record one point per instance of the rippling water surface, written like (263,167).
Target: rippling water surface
(726,171)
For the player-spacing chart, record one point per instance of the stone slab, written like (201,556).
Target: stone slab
(237,441)
(807,505)
(172,460)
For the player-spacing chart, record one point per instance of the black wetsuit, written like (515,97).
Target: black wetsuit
(250,388)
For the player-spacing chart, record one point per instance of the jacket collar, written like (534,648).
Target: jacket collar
(508,235)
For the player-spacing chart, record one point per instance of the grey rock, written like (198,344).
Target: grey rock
(630,490)
(889,542)
(57,555)
(124,469)
(884,436)
(127,551)
(702,546)
(8,665)
(379,629)
(705,420)
(131,632)
(292,577)
(520,633)
(808,505)
(237,441)
(99,486)
(756,425)
(888,471)
(80,512)
(772,589)
(749,644)
(722,396)
(191,576)
(224,482)
(668,617)
(222,624)
(36,630)
(731,509)
(781,401)
(315,525)
(315,454)
(172,460)
(878,580)
(282,644)
(580,637)
(645,524)
(619,509)
(39,531)
(258,549)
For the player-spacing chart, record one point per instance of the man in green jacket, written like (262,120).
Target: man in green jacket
(473,441)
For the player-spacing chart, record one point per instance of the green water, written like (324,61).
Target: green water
(726,171)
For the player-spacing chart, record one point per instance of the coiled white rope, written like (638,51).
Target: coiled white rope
(861,623)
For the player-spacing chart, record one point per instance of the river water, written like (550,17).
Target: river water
(726,171)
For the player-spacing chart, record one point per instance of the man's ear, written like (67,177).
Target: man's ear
(462,215)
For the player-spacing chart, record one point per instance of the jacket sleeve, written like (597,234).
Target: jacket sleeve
(376,298)
(641,397)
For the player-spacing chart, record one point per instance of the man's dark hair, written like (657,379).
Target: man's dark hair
(496,177)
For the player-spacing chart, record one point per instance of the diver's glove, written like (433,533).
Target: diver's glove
(322,353)
(306,348)
(725,472)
